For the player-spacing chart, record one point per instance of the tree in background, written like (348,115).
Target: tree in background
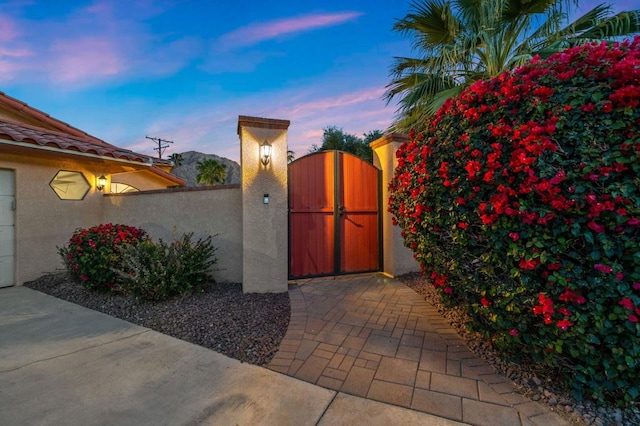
(335,138)
(461,41)
(177,160)
(210,172)
(291,155)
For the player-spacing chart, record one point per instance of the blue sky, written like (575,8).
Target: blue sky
(185,69)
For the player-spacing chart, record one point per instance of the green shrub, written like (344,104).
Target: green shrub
(91,253)
(521,201)
(159,271)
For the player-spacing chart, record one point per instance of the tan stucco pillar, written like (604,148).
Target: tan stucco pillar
(265,239)
(397,259)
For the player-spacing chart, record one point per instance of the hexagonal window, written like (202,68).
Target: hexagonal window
(70,185)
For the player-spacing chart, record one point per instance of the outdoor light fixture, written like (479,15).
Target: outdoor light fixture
(265,152)
(102,183)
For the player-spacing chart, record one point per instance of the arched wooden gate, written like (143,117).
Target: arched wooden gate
(334,215)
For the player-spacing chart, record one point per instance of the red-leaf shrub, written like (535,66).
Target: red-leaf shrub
(93,254)
(521,201)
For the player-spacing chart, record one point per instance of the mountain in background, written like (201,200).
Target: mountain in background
(188,170)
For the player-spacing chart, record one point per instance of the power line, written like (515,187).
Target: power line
(162,145)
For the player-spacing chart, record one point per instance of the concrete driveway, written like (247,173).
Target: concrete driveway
(64,364)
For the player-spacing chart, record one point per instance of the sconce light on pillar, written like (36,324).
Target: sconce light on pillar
(102,183)
(265,152)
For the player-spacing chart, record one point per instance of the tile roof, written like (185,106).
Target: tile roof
(20,132)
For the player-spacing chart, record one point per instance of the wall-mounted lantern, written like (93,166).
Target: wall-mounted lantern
(265,152)
(102,183)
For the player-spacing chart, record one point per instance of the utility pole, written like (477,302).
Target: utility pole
(162,145)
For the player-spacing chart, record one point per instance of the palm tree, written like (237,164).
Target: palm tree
(462,41)
(177,160)
(210,172)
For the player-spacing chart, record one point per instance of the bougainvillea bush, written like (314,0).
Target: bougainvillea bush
(92,254)
(521,201)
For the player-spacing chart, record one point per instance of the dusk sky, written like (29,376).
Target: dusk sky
(184,70)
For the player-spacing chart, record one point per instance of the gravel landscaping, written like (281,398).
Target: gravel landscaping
(247,327)
(532,381)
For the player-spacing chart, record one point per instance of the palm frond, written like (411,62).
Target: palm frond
(432,22)
(620,25)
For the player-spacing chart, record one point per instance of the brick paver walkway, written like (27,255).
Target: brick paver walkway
(372,336)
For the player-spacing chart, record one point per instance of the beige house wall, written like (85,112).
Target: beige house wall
(205,211)
(265,226)
(397,259)
(43,221)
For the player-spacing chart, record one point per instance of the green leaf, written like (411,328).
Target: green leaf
(588,236)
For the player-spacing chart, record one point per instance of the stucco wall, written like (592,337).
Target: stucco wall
(265,226)
(42,220)
(397,258)
(204,211)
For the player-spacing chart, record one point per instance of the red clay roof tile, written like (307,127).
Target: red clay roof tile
(43,137)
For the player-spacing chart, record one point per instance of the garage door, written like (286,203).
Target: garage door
(7,228)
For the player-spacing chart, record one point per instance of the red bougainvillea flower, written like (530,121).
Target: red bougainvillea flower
(570,296)
(545,308)
(472,168)
(514,236)
(486,303)
(596,227)
(564,311)
(528,263)
(632,318)
(636,286)
(627,303)
(514,332)
(564,324)
(605,269)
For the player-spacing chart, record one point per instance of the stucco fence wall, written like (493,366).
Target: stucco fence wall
(170,213)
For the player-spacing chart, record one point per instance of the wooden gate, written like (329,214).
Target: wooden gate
(334,216)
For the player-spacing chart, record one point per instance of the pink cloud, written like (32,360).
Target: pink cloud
(255,33)
(8,29)
(78,61)
(102,41)
(313,107)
